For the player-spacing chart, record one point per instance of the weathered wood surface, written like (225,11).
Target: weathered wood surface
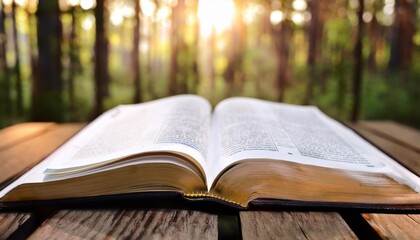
(404,135)
(294,225)
(9,222)
(403,154)
(38,142)
(389,136)
(17,133)
(27,153)
(128,224)
(22,146)
(395,226)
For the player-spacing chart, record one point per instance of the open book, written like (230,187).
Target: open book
(244,150)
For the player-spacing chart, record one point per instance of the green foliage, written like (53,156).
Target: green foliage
(260,80)
(297,89)
(84,91)
(387,97)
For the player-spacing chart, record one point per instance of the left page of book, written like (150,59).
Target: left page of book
(178,125)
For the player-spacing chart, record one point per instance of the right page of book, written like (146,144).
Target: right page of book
(245,129)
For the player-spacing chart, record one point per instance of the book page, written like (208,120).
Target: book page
(179,124)
(255,129)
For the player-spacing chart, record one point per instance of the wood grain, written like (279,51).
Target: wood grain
(398,226)
(9,222)
(23,155)
(404,155)
(123,224)
(12,135)
(294,225)
(395,226)
(404,135)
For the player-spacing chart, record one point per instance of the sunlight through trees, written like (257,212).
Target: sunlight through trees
(352,58)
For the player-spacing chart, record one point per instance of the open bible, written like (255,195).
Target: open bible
(243,151)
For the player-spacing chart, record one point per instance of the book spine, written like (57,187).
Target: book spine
(212,195)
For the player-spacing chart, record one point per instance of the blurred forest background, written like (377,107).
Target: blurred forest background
(70,60)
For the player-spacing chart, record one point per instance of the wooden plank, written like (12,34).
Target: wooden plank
(12,135)
(22,146)
(294,225)
(395,226)
(401,134)
(123,224)
(20,157)
(9,222)
(404,155)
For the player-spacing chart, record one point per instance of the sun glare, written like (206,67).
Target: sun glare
(298,18)
(251,12)
(148,7)
(87,4)
(119,11)
(276,17)
(7,2)
(88,22)
(21,3)
(299,5)
(74,2)
(215,14)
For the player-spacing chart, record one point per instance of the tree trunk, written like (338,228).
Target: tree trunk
(3,39)
(135,55)
(402,38)
(18,75)
(312,42)
(229,74)
(374,35)
(176,42)
(315,30)
(358,64)
(47,101)
(33,48)
(149,61)
(150,74)
(195,51)
(101,59)
(5,88)
(282,35)
(210,61)
(73,65)
(233,74)
(265,27)
(152,54)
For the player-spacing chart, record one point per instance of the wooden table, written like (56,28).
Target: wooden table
(23,145)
